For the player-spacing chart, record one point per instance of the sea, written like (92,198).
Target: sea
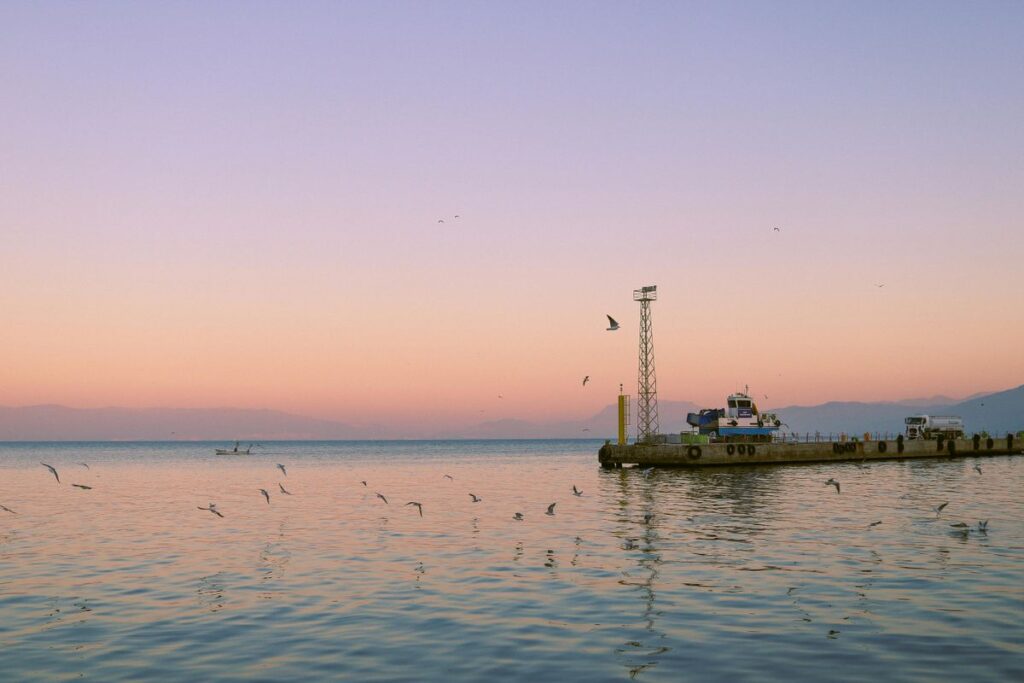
(756,573)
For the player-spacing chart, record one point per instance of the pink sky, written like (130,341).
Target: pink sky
(238,205)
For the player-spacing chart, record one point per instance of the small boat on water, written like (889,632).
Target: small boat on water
(233,451)
(740,421)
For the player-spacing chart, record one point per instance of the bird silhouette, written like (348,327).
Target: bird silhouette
(50,467)
(449,477)
(612,324)
(283,470)
(833,482)
(280,486)
(7,509)
(265,495)
(518,516)
(212,508)
(419,506)
(381,496)
(939,508)
(476,498)
(576,491)
(585,380)
(551,509)
(82,486)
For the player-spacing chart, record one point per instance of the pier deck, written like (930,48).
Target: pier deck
(706,455)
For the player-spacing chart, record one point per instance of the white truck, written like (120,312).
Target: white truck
(931,426)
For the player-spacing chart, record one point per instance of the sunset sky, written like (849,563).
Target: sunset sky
(237,204)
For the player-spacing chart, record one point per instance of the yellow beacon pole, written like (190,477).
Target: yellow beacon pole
(623,416)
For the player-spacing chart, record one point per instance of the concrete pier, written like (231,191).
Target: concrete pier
(707,455)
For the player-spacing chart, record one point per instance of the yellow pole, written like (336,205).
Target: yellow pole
(622,420)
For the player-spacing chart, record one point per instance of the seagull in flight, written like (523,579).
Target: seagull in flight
(84,464)
(551,509)
(977,468)
(576,491)
(419,506)
(364,482)
(612,323)
(283,470)
(518,516)
(287,493)
(585,380)
(833,482)
(476,498)
(449,477)
(938,508)
(82,486)
(874,523)
(879,285)
(50,467)
(381,496)
(440,220)
(212,508)
(265,495)
(982,526)
(776,230)
(7,509)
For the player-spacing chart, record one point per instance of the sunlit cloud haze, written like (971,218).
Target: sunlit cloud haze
(237,204)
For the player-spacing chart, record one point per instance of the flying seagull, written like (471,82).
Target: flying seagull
(440,220)
(265,495)
(938,509)
(419,506)
(84,464)
(212,508)
(476,498)
(776,230)
(7,509)
(283,470)
(449,477)
(977,468)
(576,491)
(50,467)
(551,509)
(287,493)
(381,496)
(879,285)
(518,516)
(364,482)
(585,380)
(983,527)
(875,523)
(833,482)
(612,324)
(82,486)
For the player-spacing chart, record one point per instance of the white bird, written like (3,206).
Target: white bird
(977,468)
(576,491)
(419,506)
(281,467)
(612,324)
(212,508)
(280,486)
(647,471)
(476,498)
(551,509)
(265,495)
(381,496)
(518,516)
(833,482)
(50,467)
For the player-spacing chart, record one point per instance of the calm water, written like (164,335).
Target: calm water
(741,574)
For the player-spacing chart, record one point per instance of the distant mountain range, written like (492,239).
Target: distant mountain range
(995,412)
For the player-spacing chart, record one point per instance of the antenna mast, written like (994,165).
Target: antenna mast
(647,385)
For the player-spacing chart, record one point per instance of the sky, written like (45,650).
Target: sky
(238,204)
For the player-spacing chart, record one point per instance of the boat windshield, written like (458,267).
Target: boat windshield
(915,420)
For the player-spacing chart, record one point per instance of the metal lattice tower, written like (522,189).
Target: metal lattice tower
(647,385)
